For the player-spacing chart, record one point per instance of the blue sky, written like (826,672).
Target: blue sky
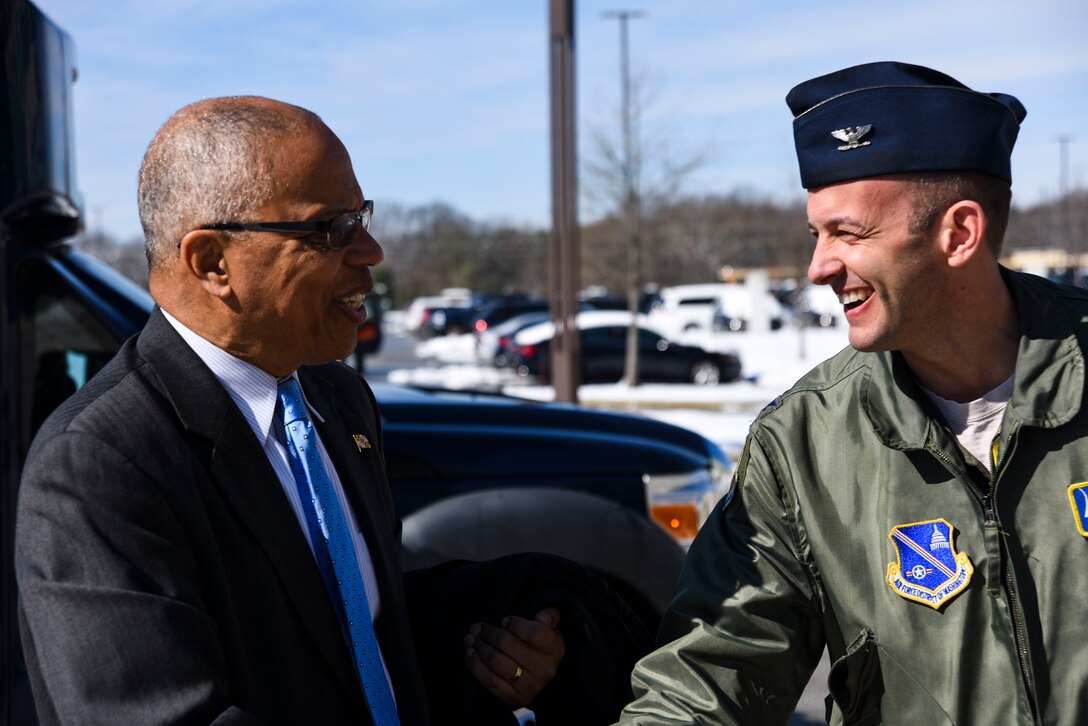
(447,100)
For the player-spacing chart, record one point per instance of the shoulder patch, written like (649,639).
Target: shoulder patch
(768,408)
(1078,498)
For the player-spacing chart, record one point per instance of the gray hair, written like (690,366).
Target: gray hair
(209,163)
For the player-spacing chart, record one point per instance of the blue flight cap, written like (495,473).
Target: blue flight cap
(892,118)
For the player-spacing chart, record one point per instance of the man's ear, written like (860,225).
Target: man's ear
(962,232)
(202,257)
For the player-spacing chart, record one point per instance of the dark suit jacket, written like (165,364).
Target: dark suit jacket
(163,576)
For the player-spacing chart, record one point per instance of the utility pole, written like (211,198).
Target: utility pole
(1063,163)
(1063,191)
(563,247)
(632,201)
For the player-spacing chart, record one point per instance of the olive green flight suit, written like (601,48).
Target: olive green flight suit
(802,552)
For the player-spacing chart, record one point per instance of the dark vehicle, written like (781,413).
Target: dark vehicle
(472,476)
(493,344)
(478,476)
(459,319)
(605,302)
(501,310)
(604,349)
(446,321)
(368,338)
(62,315)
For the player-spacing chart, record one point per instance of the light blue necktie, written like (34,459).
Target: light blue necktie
(334,549)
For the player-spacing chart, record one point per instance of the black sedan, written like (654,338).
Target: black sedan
(604,348)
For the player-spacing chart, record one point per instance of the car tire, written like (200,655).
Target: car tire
(705,373)
(615,541)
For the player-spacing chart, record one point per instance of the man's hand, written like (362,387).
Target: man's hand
(517,659)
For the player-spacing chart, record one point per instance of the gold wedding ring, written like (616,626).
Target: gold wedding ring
(517,675)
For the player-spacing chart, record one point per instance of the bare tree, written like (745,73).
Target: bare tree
(434,246)
(636,175)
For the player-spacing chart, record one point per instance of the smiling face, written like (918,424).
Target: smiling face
(891,281)
(293,304)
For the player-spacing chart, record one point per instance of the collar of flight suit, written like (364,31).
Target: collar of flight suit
(1048,384)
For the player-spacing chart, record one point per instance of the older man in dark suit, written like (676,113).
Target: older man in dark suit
(205,532)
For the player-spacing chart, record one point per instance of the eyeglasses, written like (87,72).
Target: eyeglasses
(338,230)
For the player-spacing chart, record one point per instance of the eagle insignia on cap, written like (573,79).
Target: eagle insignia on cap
(852,136)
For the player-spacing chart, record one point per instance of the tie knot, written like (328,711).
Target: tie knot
(291,398)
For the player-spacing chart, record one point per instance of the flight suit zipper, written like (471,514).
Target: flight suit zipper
(1023,656)
(993,526)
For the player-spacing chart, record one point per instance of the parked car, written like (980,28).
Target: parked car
(713,306)
(418,314)
(604,349)
(502,309)
(368,338)
(819,306)
(472,476)
(491,308)
(736,306)
(683,308)
(604,302)
(416,309)
(493,343)
(449,320)
(482,475)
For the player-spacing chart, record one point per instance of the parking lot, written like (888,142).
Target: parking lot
(771,362)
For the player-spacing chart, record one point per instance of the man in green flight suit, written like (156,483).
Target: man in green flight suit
(918,503)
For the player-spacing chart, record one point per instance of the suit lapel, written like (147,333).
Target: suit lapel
(248,483)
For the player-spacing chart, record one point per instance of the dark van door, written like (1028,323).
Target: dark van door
(62,313)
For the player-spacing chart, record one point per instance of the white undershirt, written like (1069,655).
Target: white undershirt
(255,392)
(976,423)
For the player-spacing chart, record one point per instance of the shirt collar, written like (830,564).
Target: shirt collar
(252,390)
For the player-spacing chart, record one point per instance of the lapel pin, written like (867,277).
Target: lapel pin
(361,441)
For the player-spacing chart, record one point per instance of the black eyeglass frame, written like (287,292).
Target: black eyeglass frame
(360,217)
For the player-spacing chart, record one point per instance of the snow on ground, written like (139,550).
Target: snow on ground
(771,361)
